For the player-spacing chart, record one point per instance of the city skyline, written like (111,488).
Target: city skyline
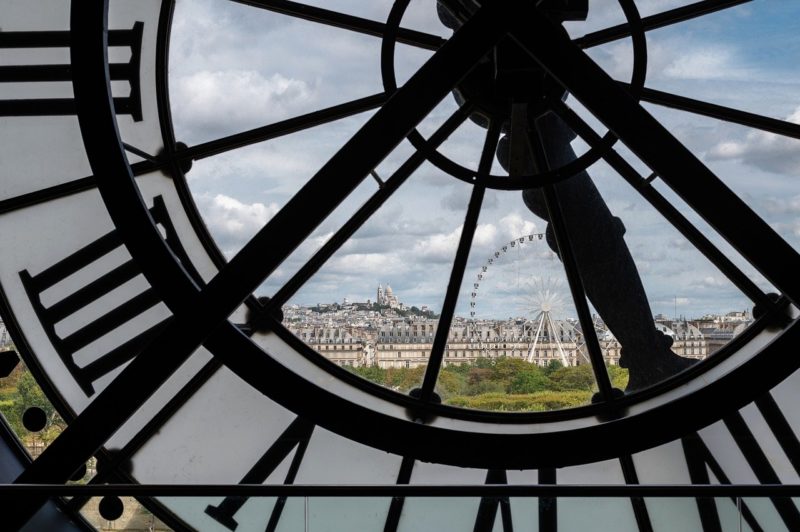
(360,298)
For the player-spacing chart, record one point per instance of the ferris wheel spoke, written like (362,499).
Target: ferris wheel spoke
(646,137)
(347,22)
(659,20)
(741,280)
(459,266)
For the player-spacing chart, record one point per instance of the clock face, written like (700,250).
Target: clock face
(479,134)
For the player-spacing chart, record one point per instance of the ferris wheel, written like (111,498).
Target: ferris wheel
(523,284)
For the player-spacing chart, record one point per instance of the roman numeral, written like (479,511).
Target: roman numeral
(700,460)
(487,511)
(297,434)
(548,506)
(74,304)
(126,105)
(396,506)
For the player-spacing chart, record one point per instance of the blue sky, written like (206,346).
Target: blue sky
(235,67)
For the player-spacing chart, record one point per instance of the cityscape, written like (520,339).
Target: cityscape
(387,333)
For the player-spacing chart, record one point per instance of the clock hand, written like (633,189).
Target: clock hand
(601,256)
(655,146)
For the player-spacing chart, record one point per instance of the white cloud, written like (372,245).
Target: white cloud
(232,222)
(790,205)
(706,62)
(514,226)
(236,99)
(764,150)
(441,247)
(674,58)
(365,264)
(438,247)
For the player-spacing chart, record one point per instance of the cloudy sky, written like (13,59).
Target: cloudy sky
(236,67)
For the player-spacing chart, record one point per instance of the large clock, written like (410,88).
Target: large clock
(168,368)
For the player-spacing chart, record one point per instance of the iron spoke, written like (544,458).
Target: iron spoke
(353,163)
(188,328)
(660,20)
(459,265)
(567,256)
(665,208)
(348,22)
(68,188)
(698,186)
(362,215)
(284,127)
(720,112)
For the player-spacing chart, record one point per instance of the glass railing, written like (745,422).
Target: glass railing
(428,507)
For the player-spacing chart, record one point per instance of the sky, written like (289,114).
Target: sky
(235,67)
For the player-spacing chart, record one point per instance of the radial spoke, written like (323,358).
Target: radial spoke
(362,215)
(67,189)
(698,186)
(660,20)
(359,156)
(682,103)
(165,413)
(187,330)
(459,265)
(567,256)
(284,127)
(665,208)
(348,22)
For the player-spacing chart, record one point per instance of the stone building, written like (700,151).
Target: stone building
(344,346)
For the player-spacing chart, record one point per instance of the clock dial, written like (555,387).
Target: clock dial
(156,351)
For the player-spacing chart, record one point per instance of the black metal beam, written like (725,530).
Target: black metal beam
(720,112)
(188,329)
(396,506)
(638,504)
(696,237)
(781,428)
(459,266)
(660,20)
(363,214)
(284,127)
(561,233)
(698,186)
(348,22)
(757,459)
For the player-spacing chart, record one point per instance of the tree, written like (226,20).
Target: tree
(529,380)
(451,384)
(371,373)
(618,376)
(573,378)
(552,366)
